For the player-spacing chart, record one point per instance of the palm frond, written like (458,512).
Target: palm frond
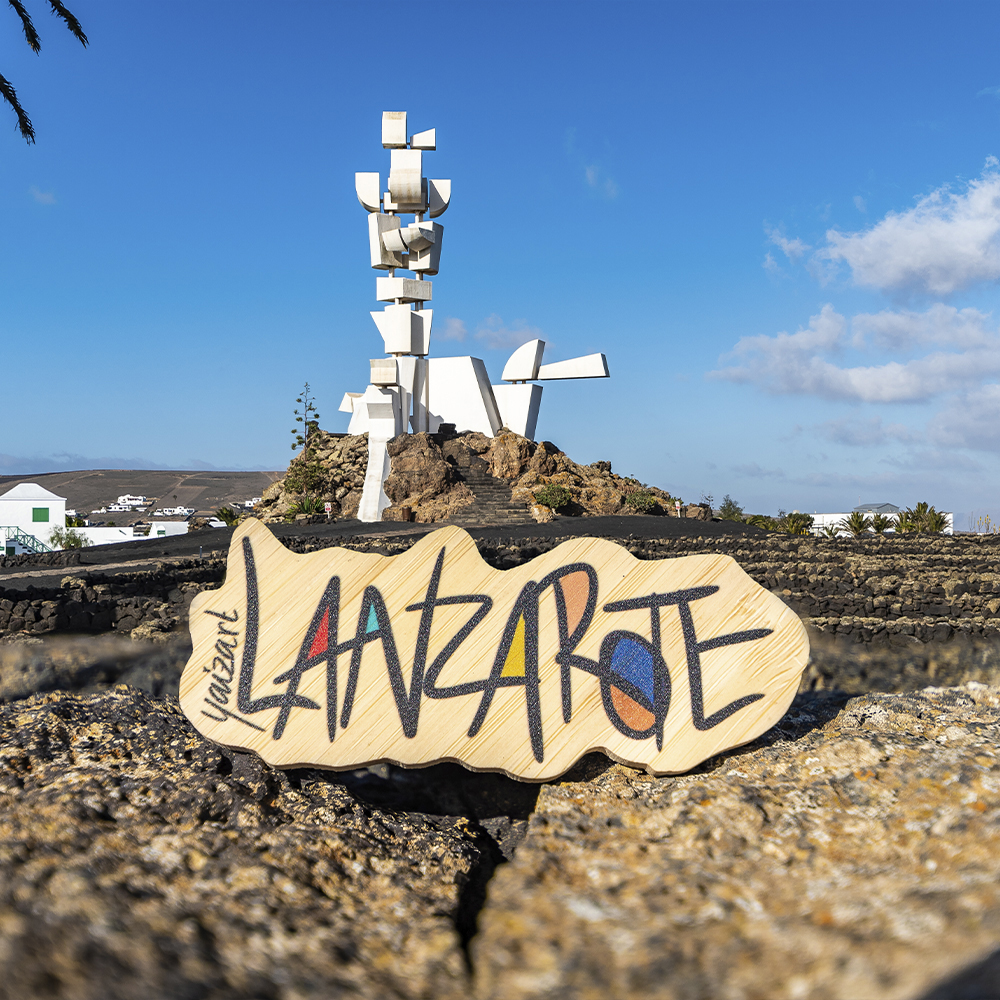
(30,35)
(8,93)
(71,22)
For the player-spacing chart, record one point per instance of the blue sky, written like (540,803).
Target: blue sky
(780,221)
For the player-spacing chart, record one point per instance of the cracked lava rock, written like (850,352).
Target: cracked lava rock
(853,852)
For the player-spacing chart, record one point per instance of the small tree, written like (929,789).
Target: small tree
(306,470)
(730,510)
(67,538)
(308,417)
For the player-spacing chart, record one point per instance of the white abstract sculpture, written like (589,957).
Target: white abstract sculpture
(408,390)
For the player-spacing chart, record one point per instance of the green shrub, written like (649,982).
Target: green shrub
(641,501)
(761,521)
(553,496)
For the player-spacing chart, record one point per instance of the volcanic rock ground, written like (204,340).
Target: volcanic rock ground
(852,852)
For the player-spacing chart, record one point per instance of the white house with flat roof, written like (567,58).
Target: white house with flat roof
(28,513)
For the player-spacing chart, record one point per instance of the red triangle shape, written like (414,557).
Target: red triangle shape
(322,640)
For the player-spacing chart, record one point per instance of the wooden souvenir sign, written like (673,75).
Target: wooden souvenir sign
(339,659)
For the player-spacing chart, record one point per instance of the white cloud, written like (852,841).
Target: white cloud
(770,264)
(792,249)
(940,324)
(860,204)
(496,335)
(989,92)
(451,329)
(42,197)
(798,363)
(946,242)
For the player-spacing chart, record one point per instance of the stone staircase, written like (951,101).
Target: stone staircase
(492,504)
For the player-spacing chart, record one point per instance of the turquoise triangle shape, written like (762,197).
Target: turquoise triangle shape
(372,625)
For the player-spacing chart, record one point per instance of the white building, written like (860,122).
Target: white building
(28,513)
(133,501)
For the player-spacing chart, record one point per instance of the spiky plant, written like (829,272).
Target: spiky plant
(830,531)
(856,523)
(881,523)
(7,91)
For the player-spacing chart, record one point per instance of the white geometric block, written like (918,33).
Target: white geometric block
(389,205)
(382,408)
(590,366)
(522,365)
(383,259)
(406,177)
(401,329)
(458,392)
(422,331)
(439,196)
(367,186)
(518,406)
(402,289)
(423,140)
(383,371)
(394,130)
(426,259)
(347,403)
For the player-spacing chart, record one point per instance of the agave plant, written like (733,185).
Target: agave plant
(830,531)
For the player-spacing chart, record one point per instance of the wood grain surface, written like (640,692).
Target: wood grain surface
(339,659)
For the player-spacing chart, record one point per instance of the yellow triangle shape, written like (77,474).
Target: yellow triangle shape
(514,664)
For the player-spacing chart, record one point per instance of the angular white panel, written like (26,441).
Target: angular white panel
(589,366)
(458,392)
(389,205)
(406,177)
(383,259)
(367,187)
(426,260)
(438,196)
(383,371)
(404,289)
(347,403)
(522,365)
(382,406)
(518,406)
(394,130)
(401,329)
(422,333)
(423,140)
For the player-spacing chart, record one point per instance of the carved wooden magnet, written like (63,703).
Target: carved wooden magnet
(339,659)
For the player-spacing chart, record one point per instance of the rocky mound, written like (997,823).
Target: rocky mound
(427,481)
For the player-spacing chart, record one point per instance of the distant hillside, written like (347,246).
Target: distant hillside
(91,489)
